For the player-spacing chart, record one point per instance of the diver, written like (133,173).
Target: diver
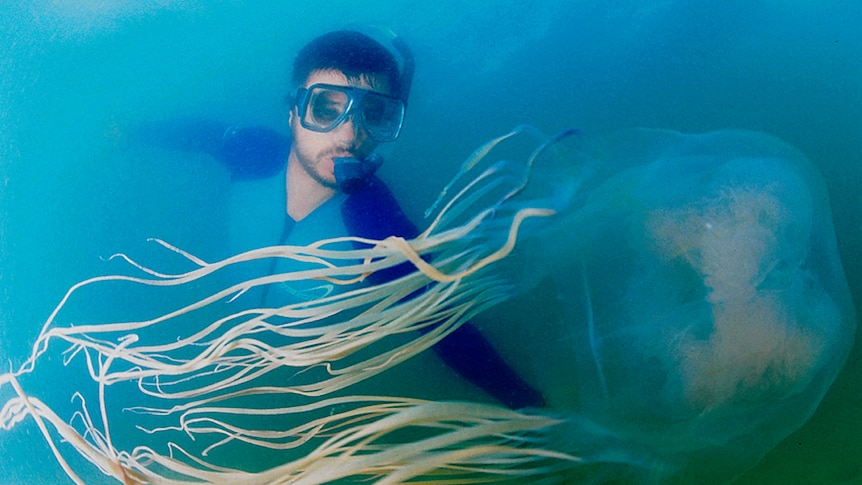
(350,96)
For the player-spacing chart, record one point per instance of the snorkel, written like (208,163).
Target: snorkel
(351,173)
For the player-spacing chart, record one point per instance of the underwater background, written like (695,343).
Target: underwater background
(75,74)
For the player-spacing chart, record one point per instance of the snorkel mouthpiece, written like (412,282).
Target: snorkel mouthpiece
(351,173)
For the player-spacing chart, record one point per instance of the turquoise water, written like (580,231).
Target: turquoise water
(75,75)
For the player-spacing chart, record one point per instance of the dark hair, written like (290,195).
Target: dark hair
(350,52)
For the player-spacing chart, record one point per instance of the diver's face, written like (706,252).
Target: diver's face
(315,151)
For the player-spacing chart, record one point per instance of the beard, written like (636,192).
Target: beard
(313,166)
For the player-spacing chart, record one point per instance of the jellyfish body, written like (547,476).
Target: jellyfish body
(701,315)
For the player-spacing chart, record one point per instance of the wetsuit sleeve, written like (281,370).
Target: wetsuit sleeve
(248,153)
(470,354)
(374,213)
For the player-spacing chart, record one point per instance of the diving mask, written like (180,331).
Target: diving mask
(323,107)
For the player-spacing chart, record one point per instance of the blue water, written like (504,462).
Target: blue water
(76,74)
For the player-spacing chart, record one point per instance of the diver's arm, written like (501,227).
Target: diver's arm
(470,354)
(374,213)
(248,153)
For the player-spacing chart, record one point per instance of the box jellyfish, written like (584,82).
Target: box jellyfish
(702,315)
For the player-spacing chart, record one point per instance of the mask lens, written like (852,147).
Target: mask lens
(382,116)
(325,108)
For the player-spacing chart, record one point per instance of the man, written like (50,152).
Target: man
(350,96)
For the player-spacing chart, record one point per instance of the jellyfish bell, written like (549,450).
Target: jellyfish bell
(702,304)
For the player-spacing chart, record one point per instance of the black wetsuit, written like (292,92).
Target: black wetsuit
(372,212)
